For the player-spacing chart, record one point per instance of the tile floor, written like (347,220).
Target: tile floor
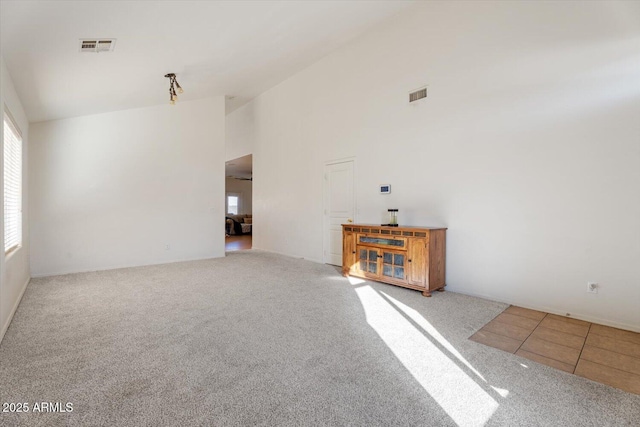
(601,353)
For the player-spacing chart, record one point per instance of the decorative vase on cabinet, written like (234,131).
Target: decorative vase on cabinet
(412,257)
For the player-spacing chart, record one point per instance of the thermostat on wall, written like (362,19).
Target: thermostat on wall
(385,189)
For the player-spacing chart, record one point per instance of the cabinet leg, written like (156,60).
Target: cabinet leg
(441,289)
(426,294)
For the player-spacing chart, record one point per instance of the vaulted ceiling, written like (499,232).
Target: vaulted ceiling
(240,168)
(236,49)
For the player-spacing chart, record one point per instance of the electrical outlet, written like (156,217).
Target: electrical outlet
(167,247)
(592,287)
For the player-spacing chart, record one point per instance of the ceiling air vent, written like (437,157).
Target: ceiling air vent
(418,95)
(97,45)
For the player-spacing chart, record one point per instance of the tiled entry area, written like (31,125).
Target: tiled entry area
(601,353)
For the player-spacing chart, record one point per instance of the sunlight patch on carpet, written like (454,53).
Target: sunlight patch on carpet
(428,328)
(356,281)
(456,392)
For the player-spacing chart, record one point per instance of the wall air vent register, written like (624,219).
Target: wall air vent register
(97,45)
(418,95)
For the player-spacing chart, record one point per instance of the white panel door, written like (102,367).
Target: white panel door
(339,207)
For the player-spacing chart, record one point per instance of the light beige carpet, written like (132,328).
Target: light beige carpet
(261,339)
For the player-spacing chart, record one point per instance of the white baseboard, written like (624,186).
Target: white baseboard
(5,327)
(579,316)
(289,255)
(117,267)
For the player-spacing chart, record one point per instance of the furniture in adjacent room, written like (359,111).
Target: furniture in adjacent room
(238,224)
(411,257)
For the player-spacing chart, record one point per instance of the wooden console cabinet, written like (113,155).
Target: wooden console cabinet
(412,257)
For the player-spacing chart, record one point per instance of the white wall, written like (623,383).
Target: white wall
(527,147)
(113,190)
(244,188)
(14,269)
(239,132)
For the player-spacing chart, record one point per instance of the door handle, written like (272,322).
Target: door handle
(409,260)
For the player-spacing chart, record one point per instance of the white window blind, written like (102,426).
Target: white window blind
(232,202)
(12,185)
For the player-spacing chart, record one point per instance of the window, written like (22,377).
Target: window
(232,204)
(12,185)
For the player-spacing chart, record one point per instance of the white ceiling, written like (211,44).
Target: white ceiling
(242,167)
(237,49)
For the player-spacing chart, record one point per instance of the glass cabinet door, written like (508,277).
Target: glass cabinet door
(368,260)
(393,265)
(382,263)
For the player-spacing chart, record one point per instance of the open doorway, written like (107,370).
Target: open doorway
(238,203)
